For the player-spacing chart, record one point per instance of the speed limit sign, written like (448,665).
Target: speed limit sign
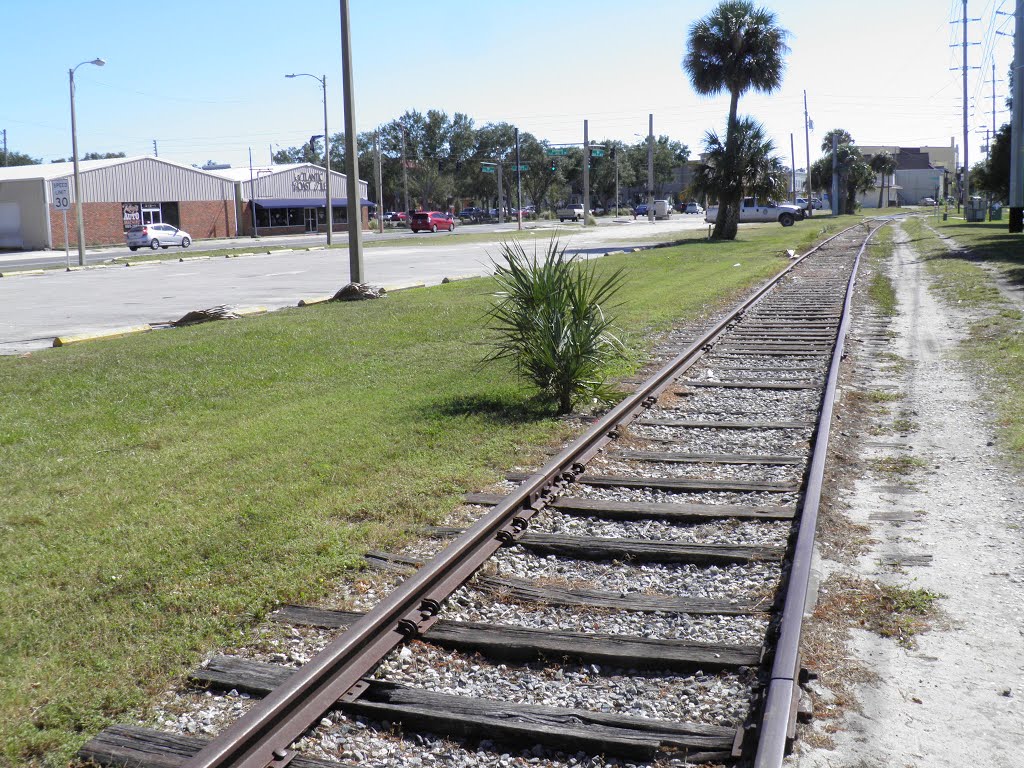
(61,195)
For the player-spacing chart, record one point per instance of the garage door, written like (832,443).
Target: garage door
(10,226)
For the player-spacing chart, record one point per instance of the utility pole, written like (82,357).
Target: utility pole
(966,185)
(354,213)
(155,153)
(650,167)
(807,144)
(615,158)
(5,147)
(380,189)
(501,193)
(586,173)
(405,174)
(835,174)
(792,155)
(519,186)
(1017,126)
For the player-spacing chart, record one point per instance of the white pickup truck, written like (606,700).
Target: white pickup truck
(752,210)
(573,211)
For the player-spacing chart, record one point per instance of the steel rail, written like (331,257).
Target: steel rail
(263,736)
(778,719)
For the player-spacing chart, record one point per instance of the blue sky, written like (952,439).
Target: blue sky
(206,79)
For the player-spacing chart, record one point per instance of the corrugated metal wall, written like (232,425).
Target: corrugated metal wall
(150,180)
(293,183)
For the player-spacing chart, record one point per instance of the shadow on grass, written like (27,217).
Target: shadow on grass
(497,410)
(1001,248)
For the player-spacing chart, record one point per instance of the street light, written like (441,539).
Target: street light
(74,159)
(327,154)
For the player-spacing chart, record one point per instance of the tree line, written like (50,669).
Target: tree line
(445,157)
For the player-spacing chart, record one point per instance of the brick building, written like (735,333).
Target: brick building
(119,193)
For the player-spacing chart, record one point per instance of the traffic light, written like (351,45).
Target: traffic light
(554,166)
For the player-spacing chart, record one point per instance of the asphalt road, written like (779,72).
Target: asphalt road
(34,309)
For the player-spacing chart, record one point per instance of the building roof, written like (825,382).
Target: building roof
(912,159)
(244,173)
(48,171)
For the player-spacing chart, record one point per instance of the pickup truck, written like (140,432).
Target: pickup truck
(572,211)
(752,210)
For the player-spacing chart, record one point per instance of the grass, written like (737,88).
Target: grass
(967,278)
(163,492)
(897,466)
(887,610)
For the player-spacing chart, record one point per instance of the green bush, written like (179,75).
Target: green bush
(551,322)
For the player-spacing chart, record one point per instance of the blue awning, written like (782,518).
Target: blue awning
(307,202)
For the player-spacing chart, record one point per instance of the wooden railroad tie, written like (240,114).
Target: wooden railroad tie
(650,510)
(555,727)
(508,643)
(674,484)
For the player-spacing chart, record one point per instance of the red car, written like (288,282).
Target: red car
(432,220)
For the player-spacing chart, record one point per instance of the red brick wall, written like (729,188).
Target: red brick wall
(104,224)
(207,218)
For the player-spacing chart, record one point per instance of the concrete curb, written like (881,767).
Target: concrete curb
(456,278)
(63,341)
(23,272)
(402,287)
(314,300)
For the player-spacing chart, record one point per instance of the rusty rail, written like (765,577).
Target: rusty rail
(262,737)
(778,721)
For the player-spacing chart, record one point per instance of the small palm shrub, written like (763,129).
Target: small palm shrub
(551,322)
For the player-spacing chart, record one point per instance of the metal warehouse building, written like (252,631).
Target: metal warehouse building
(122,192)
(290,199)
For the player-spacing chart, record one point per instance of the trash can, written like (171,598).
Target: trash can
(995,212)
(974,211)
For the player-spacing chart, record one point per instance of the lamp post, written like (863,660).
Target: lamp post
(74,159)
(327,154)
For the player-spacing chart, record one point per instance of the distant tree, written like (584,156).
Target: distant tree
(102,155)
(855,174)
(993,175)
(884,164)
(735,48)
(18,158)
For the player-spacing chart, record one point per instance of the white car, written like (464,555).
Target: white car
(156,236)
(927,201)
(693,208)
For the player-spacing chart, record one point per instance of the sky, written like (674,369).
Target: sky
(205,79)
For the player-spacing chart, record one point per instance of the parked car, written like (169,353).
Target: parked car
(473,214)
(693,208)
(640,210)
(817,203)
(433,221)
(156,236)
(927,201)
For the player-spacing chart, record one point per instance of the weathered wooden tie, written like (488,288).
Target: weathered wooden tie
(558,728)
(508,643)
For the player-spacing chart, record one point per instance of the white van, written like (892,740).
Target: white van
(662,209)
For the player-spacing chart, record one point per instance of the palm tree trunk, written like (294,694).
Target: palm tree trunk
(727,223)
(881,188)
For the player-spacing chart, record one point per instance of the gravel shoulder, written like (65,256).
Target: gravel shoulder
(952,524)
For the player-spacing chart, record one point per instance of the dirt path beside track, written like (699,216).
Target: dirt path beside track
(950,521)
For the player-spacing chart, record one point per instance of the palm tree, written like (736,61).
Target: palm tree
(763,173)
(884,164)
(736,48)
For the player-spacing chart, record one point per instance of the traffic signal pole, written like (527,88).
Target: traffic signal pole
(586,173)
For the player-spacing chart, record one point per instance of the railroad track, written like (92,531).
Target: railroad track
(638,598)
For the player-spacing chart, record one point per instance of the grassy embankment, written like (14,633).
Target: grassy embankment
(163,492)
(968,278)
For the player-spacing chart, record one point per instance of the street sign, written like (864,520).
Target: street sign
(61,195)
(522,167)
(487,168)
(557,151)
(596,152)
